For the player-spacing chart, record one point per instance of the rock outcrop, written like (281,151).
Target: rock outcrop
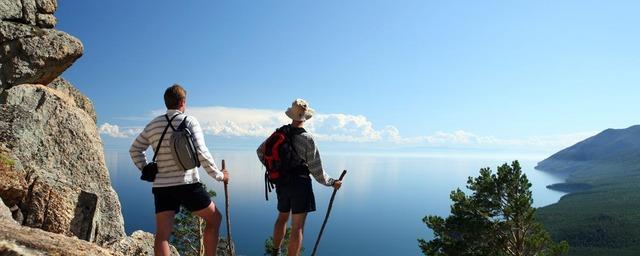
(139,243)
(30,12)
(54,176)
(80,100)
(21,240)
(34,55)
(58,154)
(56,196)
(58,177)
(30,50)
(5,212)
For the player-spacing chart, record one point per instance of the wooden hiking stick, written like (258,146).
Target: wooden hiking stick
(326,217)
(226,209)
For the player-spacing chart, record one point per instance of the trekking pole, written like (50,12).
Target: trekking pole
(326,217)
(226,206)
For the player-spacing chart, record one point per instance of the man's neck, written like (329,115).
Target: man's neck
(297,124)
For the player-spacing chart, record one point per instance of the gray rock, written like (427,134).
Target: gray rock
(21,240)
(10,248)
(29,11)
(16,213)
(46,20)
(36,58)
(47,6)
(81,101)
(10,10)
(5,212)
(10,31)
(139,243)
(58,152)
(13,187)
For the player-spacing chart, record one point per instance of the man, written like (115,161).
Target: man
(296,196)
(174,186)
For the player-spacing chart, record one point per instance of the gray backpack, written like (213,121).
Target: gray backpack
(183,147)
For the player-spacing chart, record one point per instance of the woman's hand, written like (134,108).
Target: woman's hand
(337,184)
(225,177)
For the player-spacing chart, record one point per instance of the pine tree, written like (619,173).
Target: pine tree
(496,219)
(187,232)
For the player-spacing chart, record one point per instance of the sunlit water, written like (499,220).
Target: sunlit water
(377,212)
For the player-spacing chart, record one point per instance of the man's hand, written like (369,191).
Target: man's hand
(337,184)
(225,177)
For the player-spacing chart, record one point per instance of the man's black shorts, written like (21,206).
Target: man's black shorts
(296,196)
(191,196)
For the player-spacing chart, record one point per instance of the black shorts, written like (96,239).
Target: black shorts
(296,196)
(191,196)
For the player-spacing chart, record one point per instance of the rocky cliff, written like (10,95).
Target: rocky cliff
(54,176)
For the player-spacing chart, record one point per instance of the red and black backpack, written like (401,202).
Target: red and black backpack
(281,160)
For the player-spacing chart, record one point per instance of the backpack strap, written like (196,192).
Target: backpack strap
(171,124)
(155,152)
(290,132)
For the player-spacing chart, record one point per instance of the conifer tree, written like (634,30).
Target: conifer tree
(496,219)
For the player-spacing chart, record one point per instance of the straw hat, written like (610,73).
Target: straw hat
(300,110)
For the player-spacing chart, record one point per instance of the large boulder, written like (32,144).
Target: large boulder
(58,153)
(31,55)
(5,212)
(12,249)
(10,10)
(28,11)
(80,100)
(21,240)
(13,187)
(139,243)
(54,177)
(46,6)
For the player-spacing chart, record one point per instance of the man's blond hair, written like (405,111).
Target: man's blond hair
(173,95)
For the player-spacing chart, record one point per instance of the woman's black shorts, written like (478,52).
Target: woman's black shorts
(296,196)
(191,196)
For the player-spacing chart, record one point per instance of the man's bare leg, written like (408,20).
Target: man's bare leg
(279,229)
(297,228)
(164,226)
(212,218)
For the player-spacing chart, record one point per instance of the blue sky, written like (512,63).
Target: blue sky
(437,74)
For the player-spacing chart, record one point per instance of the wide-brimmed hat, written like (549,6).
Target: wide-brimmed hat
(300,110)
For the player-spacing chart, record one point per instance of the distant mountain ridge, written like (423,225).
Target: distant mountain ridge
(609,146)
(601,213)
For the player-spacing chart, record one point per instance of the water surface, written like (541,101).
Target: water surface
(377,212)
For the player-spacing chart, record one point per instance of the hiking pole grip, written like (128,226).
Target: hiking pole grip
(224,168)
(326,217)
(226,209)
(341,175)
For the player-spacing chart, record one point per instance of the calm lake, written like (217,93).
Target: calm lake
(377,212)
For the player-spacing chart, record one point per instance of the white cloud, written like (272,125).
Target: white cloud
(115,131)
(259,123)
(464,138)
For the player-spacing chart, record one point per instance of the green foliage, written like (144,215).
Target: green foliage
(269,247)
(603,219)
(496,219)
(187,232)
(5,160)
